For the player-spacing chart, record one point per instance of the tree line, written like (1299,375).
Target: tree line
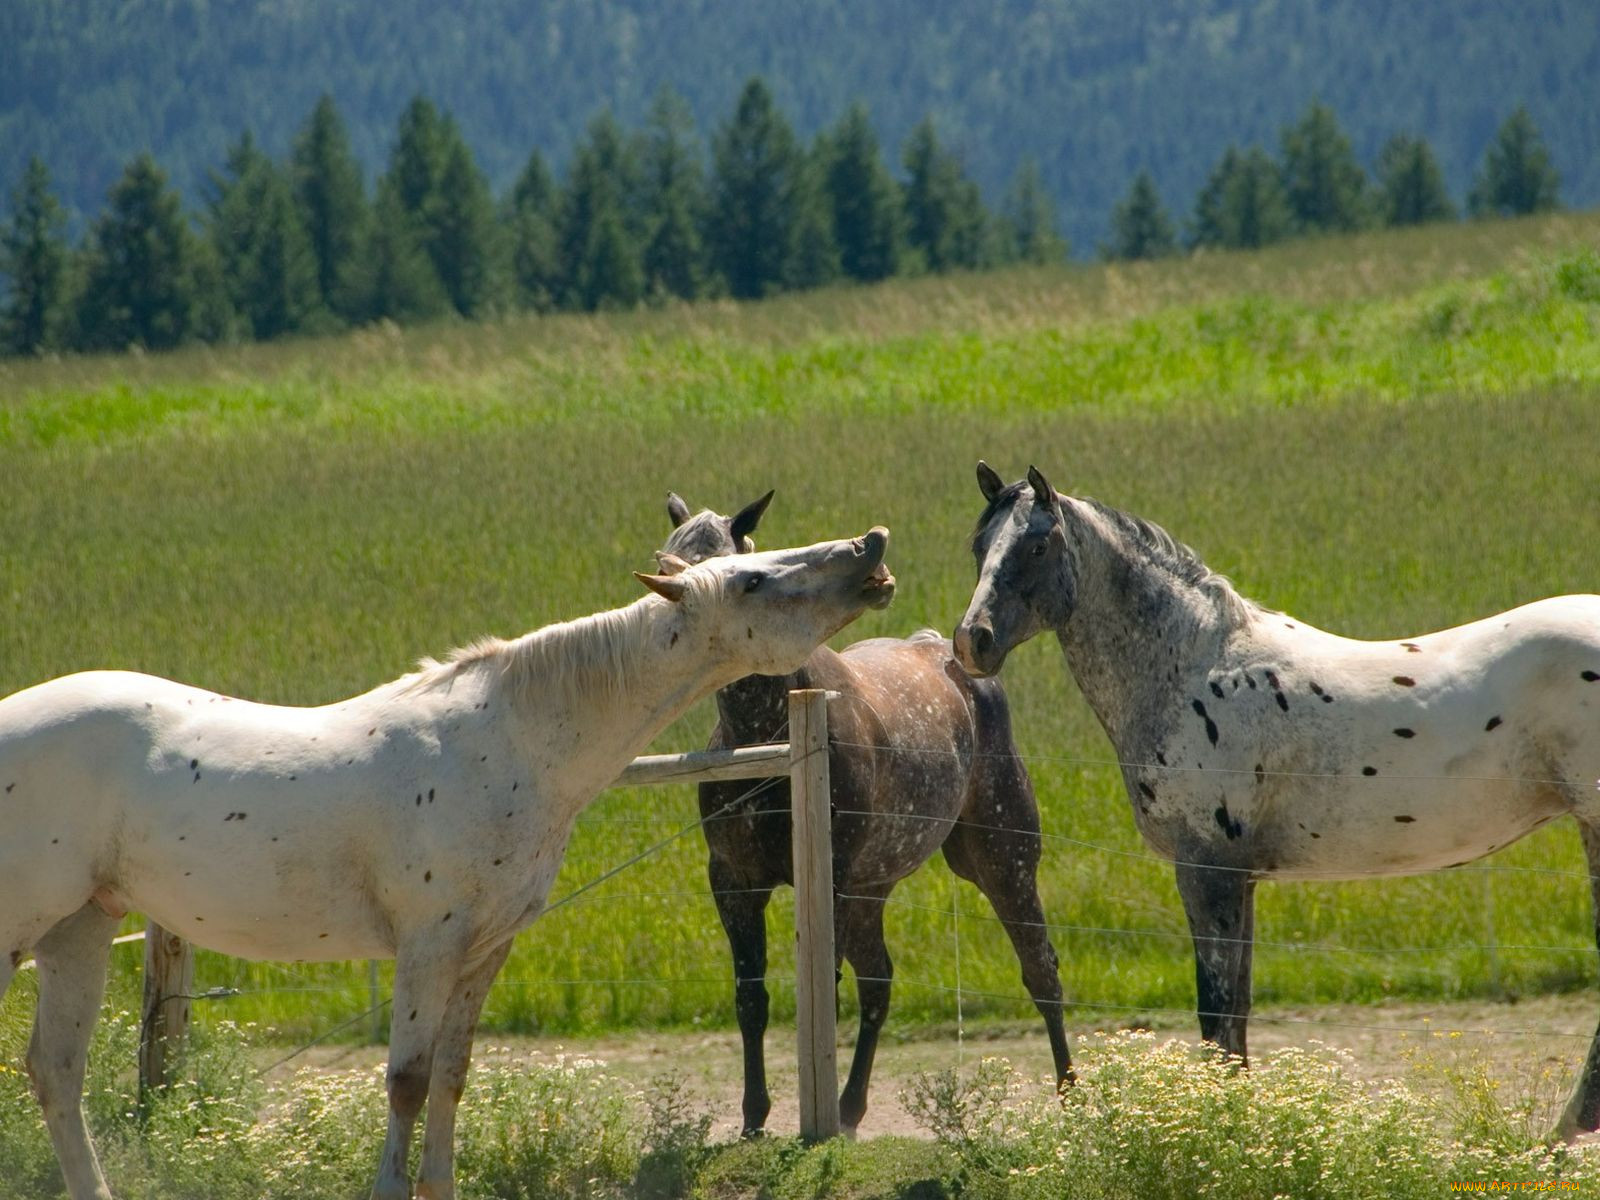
(298,246)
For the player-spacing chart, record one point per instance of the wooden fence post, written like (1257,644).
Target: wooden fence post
(816,1015)
(164,1017)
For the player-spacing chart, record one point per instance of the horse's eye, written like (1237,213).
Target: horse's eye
(1038,549)
(752,582)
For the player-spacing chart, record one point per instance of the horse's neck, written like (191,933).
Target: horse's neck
(754,709)
(1134,630)
(590,724)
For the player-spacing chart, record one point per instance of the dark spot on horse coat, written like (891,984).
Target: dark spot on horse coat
(1161,758)
(1412,647)
(1260,774)
(1230,826)
(1405,733)
(1283,701)
(419,799)
(1316,688)
(322,935)
(1216,689)
(1369,770)
(413,1014)
(194,764)
(427,877)
(1211,726)
(1146,790)
(1405,820)
(1591,676)
(1405,681)
(498,861)
(1316,835)
(16,957)
(430,795)
(1493,722)
(1250,682)
(674,639)
(9,786)
(447,916)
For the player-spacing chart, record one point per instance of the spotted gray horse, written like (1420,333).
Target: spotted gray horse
(921,759)
(1254,746)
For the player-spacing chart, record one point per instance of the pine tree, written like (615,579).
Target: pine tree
(264,256)
(866,208)
(1140,227)
(139,281)
(755,183)
(1028,215)
(418,159)
(1242,204)
(1517,176)
(461,236)
(332,200)
(393,278)
(944,214)
(813,253)
(1325,187)
(1410,184)
(33,258)
(530,219)
(1208,225)
(598,254)
(674,202)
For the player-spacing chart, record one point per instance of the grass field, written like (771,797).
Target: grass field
(1383,435)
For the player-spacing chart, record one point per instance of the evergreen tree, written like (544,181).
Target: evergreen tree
(755,184)
(264,256)
(1242,204)
(1140,227)
(417,162)
(139,276)
(944,214)
(530,218)
(1517,176)
(332,200)
(866,208)
(33,258)
(1028,215)
(675,201)
(598,254)
(813,253)
(460,234)
(1325,187)
(393,278)
(1410,184)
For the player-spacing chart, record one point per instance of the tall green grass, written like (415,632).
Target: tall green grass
(1382,435)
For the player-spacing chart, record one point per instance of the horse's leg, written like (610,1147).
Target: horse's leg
(452,1053)
(1582,1114)
(743,910)
(71,960)
(860,922)
(1220,904)
(1005,868)
(425,975)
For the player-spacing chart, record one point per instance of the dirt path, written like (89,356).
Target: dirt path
(1535,1047)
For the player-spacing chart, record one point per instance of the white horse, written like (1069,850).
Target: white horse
(423,821)
(1254,746)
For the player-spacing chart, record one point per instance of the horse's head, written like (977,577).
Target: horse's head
(765,613)
(1026,581)
(707,534)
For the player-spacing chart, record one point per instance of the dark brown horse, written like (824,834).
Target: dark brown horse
(922,759)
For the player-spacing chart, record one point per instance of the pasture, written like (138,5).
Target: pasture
(1383,434)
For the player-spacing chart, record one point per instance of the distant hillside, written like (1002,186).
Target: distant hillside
(1094,89)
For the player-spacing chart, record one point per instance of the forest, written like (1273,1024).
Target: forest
(1094,90)
(297,246)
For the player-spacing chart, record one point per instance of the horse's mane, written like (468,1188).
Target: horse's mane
(1171,555)
(598,652)
(1176,558)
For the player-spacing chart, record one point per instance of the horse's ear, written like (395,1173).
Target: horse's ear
(747,518)
(677,510)
(670,564)
(1043,493)
(989,483)
(670,586)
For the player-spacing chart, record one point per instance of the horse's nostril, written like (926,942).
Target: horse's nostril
(982,639)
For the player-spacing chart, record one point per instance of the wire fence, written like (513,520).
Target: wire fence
(741,808)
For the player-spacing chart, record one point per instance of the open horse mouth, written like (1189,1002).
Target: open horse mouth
(878,589)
